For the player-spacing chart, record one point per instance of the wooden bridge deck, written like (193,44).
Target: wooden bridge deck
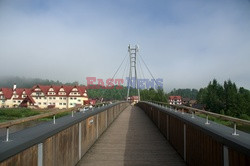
(132,139)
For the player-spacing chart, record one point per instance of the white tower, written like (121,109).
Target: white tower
(132,70)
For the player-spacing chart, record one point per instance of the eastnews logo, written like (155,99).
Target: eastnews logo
(99,83)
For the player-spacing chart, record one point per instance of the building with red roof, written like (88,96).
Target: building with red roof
(133,99)
(44,96)
(175,100)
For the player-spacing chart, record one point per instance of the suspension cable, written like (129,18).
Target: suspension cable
(125,67)
(140,67)
(148,70)
(114,75)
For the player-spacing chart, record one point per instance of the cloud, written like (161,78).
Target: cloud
(187,43)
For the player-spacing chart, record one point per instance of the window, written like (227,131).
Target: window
(19,101)
(64,103)
(54,98)
(40,98)
(45,98)
(60,103)
(14,101)
(54,103)
(79,100)
(39,103)
(71,104)
(45,103)
(75,98)
(50,98)
(64,98)
(36,97)
(60,98)
(71,98)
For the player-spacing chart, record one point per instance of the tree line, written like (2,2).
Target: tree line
(226,99)
(114,93)
(185,93)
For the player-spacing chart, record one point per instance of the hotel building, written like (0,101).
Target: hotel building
(43,96)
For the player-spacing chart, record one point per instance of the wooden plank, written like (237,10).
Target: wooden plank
(238,159)
(131,140)
(26,157)
(48,152)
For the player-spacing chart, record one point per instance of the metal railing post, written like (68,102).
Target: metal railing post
(7,134)
(192,114)
(54,119)
(207,122)
(72,113)
(235,130)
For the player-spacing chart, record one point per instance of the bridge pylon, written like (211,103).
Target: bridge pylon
(132,70)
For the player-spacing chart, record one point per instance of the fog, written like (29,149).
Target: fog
(186,43)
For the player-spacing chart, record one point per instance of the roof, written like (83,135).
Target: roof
(134,98)
(7,92)
(28,99)
(20,91)
(192,101)
(186,99)
(56,88)
(174,97)
(81,89)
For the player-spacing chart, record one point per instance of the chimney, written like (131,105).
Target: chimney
(14,87)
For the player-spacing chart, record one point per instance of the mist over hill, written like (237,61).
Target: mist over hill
(24,82)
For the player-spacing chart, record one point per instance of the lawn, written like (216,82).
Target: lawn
(7,114)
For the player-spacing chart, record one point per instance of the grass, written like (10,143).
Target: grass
(57,116)
(7,114)
(240,127)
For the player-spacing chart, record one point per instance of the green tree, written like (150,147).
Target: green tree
(186,93)
(226,99)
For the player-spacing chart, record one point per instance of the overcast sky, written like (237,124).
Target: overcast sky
(185,42)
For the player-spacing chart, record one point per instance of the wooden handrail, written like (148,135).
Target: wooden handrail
(224,117)
(36,117)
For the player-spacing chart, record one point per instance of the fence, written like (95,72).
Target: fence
(61,142)
(199,142)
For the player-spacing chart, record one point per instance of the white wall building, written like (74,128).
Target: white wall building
(44,96)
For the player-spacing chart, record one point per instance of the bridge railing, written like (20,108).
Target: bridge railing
(60,142)
(53,113)
(199,142)
(185,109)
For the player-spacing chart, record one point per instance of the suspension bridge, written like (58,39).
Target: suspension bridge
(147,133)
